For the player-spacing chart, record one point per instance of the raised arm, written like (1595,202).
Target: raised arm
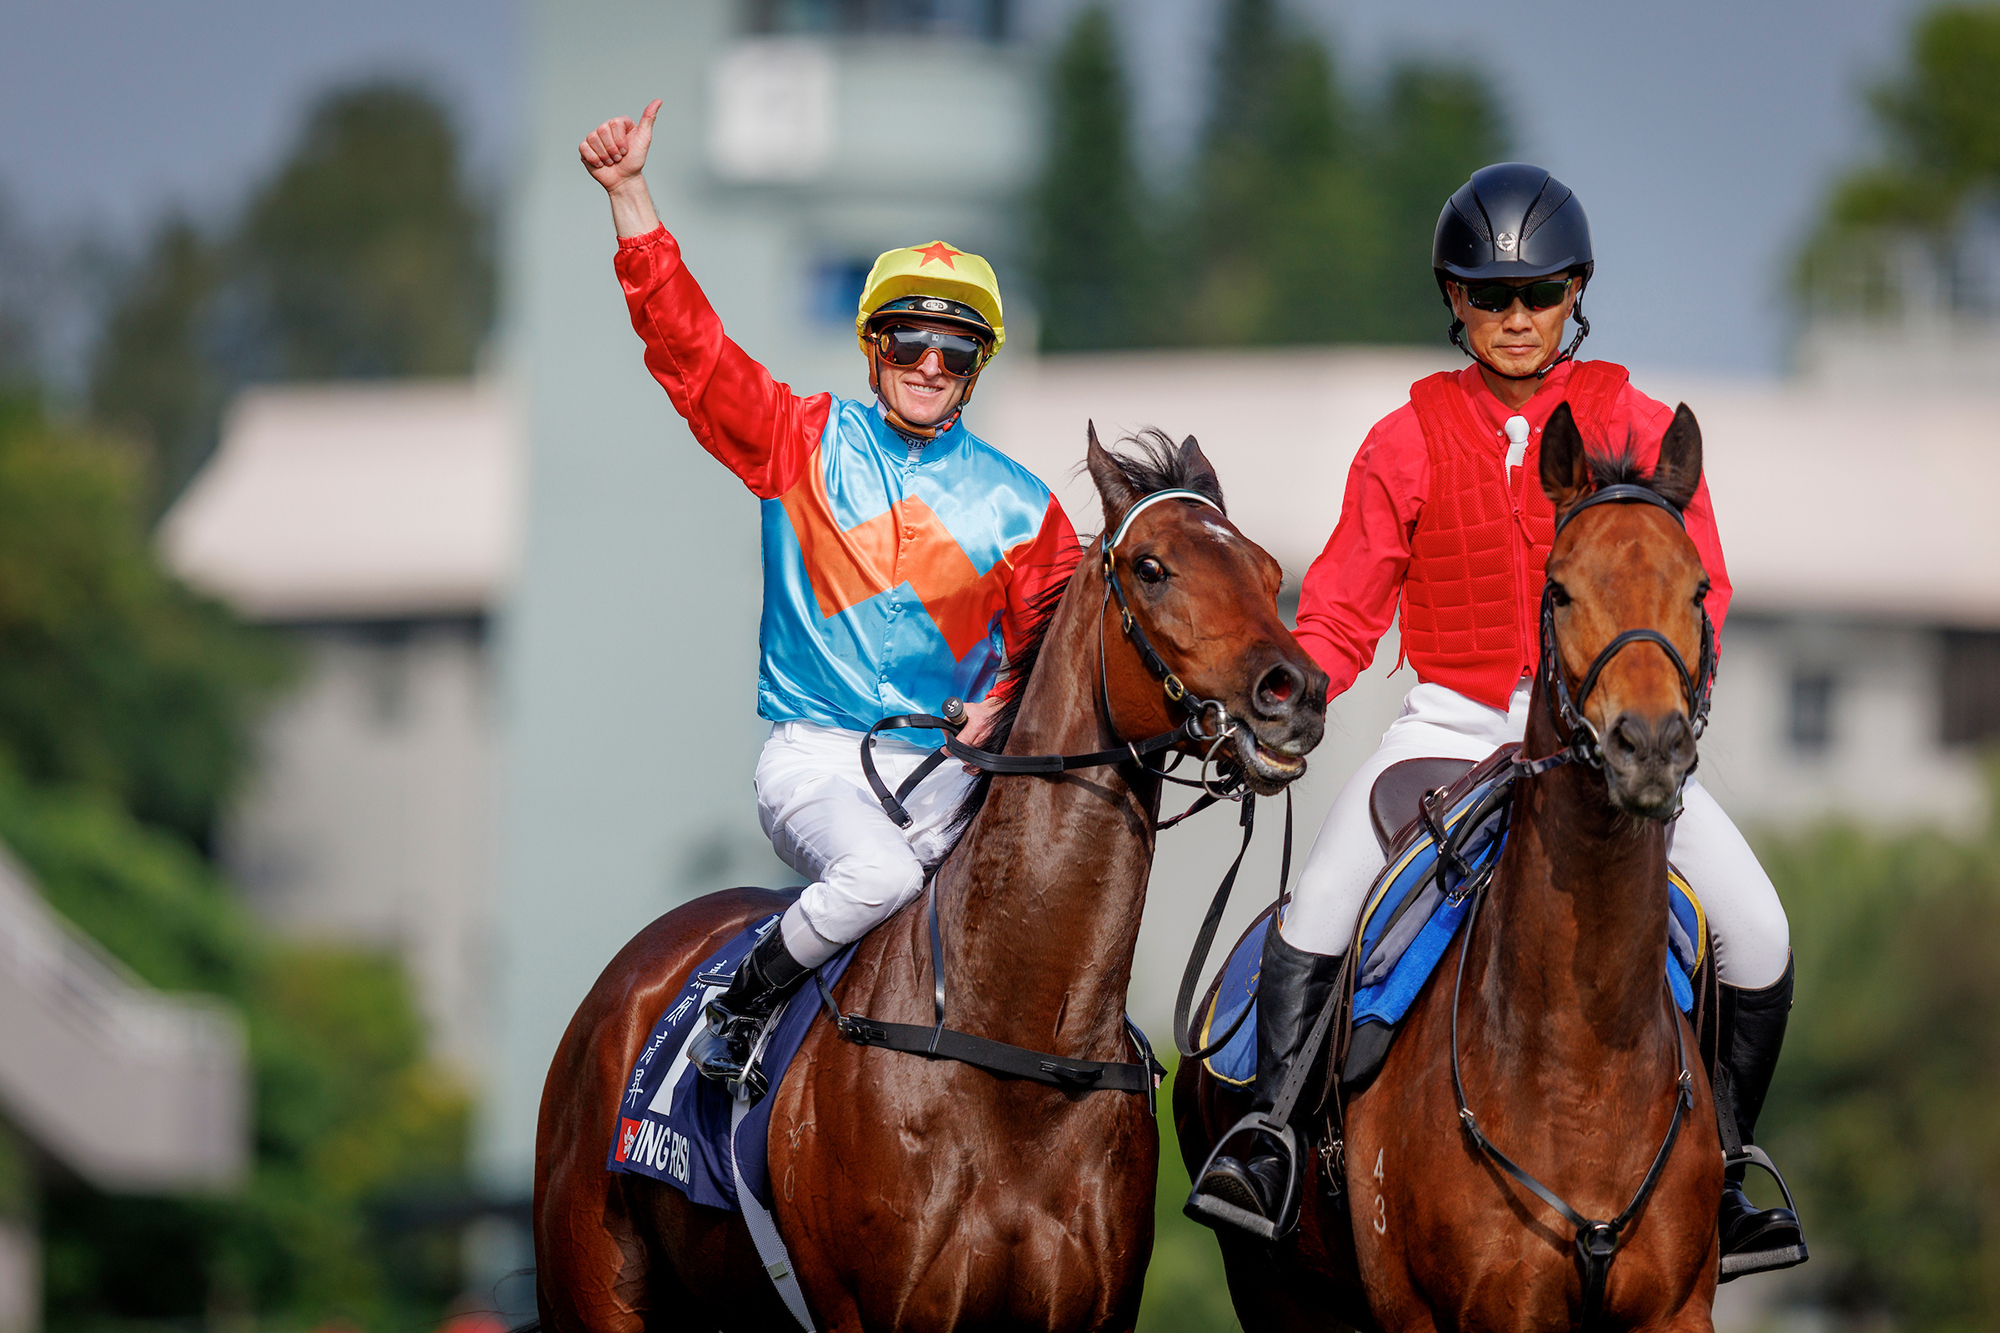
(755,426)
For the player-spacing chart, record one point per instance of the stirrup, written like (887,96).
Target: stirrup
(1211,1211)
(1762,1261)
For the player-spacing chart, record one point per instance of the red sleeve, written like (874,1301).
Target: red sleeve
(1043,563)
(756,427)
(1647,419)
(1348,598)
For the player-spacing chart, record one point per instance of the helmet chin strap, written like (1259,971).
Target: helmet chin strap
(1568,353)
(903,425)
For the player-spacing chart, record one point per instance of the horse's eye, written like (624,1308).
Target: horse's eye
(1558,594)
(1701,593)
(1150,570)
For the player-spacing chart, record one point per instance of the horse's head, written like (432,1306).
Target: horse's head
(1204,597)
(1622,614)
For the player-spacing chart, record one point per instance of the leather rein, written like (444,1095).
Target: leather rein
(1597,1241)
(1206,724)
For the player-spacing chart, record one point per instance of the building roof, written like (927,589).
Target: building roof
(1868,504)
(358,501)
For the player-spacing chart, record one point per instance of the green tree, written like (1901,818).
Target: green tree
(1436,126)
(1094,259)
(1306,216)
(1940,121)
(1883,1108)
(366,254)
(112,675)
(157,374)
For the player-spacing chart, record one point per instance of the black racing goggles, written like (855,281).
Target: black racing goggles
(1498,297)
(901,345)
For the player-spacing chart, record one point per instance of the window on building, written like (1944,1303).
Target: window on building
(1811,720)
(985,19)
(836,290)
(1970,690)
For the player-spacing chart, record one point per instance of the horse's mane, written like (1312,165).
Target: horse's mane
(1149,461)
(1621,468)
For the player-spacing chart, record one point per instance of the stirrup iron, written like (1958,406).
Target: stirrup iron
(1762,1261)
(1211,1211)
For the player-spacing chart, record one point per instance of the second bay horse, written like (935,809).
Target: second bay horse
(1551,1006)
(917,1194)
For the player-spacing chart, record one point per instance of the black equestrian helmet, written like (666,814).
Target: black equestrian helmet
(1511,220)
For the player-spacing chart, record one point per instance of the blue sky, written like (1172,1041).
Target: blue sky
(1700,134)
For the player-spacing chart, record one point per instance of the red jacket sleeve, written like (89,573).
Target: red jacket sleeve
(756,427)
(1045,563)
(1349,596)
(1647,419)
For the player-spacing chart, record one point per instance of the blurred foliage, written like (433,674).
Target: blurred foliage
(112,675)
(1186,1289)
(1306,216)
(1883,1110)
(366,254)
(350,1119)
(1939,170)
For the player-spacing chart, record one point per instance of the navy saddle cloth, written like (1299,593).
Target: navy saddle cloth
(673,1124)
(1405,928)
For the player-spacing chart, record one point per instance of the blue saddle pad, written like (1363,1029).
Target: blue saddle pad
(1405,927)
(673,1124)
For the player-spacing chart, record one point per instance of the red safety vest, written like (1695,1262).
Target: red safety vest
(1472,595)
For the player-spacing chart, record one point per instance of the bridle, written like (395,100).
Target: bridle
(1597,1241)
(1580,741)
(1195,729)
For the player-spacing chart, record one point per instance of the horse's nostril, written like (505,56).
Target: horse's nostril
(1278,686)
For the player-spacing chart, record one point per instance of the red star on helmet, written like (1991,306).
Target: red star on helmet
(937,250)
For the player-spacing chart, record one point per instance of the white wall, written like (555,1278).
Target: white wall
(369,816)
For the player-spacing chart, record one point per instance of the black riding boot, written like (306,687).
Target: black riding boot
(721,1050)
(1758,1238)
(1292,988)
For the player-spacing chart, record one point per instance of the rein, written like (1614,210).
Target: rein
(1206,723)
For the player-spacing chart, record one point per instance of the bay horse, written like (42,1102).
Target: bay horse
(916,1194)
(1551,1004)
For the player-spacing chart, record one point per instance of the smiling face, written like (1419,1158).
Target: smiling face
(1517,340)
(923,394)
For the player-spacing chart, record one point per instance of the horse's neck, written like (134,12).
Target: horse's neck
(1577,922)
(1041,903)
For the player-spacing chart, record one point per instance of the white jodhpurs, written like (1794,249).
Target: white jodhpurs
(824,822)
(1752,937)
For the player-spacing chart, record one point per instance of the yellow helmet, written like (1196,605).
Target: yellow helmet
(937,282)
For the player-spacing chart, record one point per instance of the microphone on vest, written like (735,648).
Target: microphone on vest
(1517,443)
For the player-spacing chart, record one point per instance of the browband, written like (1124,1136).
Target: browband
(1623,493)
(1147,503)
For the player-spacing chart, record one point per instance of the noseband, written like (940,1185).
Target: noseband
(1579,737)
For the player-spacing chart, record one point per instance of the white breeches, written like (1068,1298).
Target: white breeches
(824,822)
(1752,937)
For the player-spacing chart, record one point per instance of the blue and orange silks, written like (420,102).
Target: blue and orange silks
(895,575)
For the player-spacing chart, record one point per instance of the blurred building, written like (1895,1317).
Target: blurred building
(376,526)
(130,1090)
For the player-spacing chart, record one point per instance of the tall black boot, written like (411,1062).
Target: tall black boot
(1755,1239)
(1292,988)
(721,1050)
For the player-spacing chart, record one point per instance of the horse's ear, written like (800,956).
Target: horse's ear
(1113,489)
(1679,470)
(1197,469)
(1565,468)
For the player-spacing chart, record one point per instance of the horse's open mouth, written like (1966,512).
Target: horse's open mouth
(1267,769)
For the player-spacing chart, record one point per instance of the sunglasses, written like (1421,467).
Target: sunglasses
(959,353)
(1497,297)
